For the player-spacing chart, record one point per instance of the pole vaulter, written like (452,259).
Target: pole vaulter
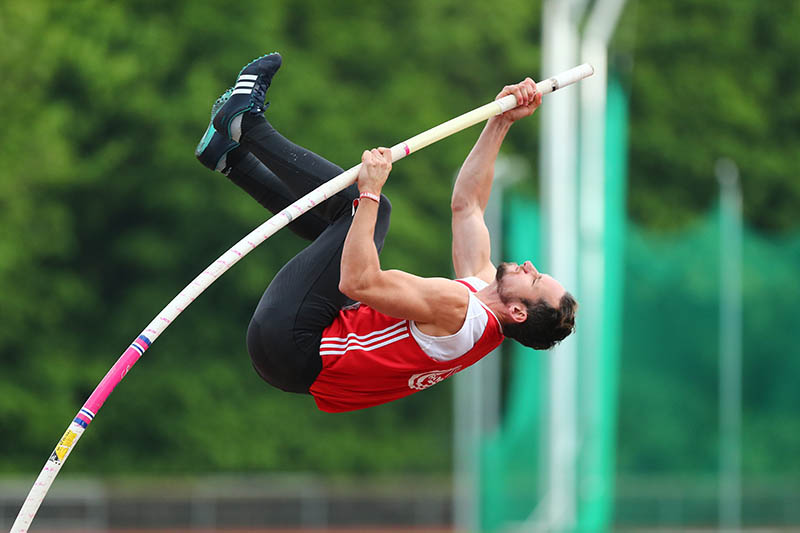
(153,330)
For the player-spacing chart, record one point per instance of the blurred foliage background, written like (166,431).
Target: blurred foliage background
(105,214)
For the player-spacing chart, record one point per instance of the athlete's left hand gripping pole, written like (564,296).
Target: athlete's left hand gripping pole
(230,258)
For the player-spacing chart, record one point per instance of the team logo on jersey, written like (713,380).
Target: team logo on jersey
(429,379)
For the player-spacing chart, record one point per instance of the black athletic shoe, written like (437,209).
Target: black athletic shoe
(213,146)
(249,93)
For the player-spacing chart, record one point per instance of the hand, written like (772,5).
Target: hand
(375,167)
(528,99)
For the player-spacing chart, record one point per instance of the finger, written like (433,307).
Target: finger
(526,90)
(386,153)
(523,91)
(505,92)
(517,90)
(518,94)
(533,88)
(509,89)
(523,94)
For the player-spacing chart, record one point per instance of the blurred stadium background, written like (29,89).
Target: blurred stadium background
(664,191)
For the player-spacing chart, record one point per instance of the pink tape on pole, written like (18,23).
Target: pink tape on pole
(113,377)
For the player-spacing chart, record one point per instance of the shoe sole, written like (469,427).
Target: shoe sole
(211,135)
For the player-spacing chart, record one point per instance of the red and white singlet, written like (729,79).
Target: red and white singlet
(369,358)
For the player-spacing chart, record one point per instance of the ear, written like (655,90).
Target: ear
(518,312)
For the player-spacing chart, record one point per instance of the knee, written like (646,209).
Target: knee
(256,344)
(260,343)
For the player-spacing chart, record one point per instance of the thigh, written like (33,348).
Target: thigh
(302,300)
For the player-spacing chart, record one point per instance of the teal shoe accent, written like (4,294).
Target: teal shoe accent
(212,147)
(207,136)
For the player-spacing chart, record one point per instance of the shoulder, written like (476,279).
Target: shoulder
(451,291)
(448,300)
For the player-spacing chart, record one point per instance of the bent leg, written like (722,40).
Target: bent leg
(299,168)
(302,300)
(263,186)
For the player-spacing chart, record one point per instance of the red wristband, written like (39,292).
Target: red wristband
(371,196)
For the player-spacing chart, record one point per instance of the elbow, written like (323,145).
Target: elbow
(351,286)
(347,287)
(465,207)
(359,286)
(460,204)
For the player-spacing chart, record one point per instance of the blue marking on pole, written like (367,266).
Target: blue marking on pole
(145,339)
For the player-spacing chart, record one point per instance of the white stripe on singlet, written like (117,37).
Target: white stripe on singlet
(365,349)
(365,336)
(366,342)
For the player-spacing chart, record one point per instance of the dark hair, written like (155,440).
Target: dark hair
(545,326)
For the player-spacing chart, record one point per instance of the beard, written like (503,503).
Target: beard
(502,290)
(502,270)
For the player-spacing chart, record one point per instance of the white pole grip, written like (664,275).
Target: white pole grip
(568,77)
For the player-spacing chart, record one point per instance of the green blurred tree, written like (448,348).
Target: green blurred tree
(106,216)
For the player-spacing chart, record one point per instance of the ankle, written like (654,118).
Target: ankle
(234,158)
(250,121)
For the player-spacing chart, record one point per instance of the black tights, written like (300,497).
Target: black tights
(303,299)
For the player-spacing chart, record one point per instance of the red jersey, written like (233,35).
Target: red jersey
(369,358)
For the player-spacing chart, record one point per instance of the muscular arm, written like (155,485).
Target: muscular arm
(471,242)
(436,303)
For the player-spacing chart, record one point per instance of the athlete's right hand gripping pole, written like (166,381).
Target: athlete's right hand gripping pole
(141,343)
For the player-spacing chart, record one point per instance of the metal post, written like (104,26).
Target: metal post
(594,362)
(559,209)
(730,342)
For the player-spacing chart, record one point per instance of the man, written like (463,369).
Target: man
(335,325)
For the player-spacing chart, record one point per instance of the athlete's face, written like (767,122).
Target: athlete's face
(515,282)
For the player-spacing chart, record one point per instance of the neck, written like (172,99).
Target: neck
(491,299)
